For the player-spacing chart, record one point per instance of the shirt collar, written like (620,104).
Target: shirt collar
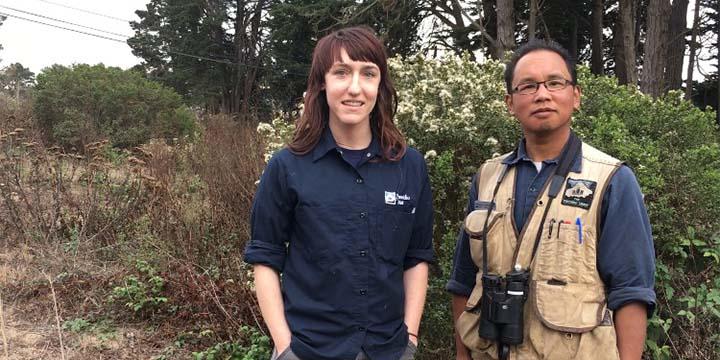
(520,154)
(327,143)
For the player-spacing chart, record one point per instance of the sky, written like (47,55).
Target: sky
(37,46)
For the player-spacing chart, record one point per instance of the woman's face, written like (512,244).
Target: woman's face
(351,88)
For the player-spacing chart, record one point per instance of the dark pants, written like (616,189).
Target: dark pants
(289,355)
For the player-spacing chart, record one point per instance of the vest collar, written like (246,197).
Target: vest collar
(520,154)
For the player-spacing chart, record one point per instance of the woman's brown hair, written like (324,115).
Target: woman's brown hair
(361,44)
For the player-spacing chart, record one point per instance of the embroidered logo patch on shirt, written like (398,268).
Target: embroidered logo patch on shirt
(579,193)
(390,198)
(393,198)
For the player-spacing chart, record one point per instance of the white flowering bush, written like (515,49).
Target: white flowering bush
(452,104)
(452,110)
(276,134)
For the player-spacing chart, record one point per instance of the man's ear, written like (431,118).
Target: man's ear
(509,103)
(577,94)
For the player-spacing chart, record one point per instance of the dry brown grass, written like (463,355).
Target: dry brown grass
(85,220)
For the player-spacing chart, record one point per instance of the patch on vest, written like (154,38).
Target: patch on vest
(579,193)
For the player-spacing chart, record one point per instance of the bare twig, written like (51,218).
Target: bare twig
(2,329)
(57,316)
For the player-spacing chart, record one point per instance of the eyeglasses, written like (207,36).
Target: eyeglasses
(531,87)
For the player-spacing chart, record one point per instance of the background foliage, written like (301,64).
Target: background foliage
(82,104)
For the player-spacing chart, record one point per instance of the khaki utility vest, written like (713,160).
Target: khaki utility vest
(565,315)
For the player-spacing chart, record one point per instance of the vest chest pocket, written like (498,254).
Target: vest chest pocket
(474,225)
(566,253)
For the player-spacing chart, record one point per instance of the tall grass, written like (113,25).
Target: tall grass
(88,219)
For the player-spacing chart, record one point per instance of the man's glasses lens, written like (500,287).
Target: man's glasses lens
(551,85)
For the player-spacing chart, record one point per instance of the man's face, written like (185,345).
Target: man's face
(544,112)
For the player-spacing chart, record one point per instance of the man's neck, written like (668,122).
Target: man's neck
(351,137)
(546,146)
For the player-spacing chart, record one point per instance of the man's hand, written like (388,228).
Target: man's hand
(458,306)
(630,327)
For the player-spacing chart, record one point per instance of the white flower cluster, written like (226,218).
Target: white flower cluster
(451,102)
(276,134)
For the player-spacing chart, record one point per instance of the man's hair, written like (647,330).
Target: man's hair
(535,45)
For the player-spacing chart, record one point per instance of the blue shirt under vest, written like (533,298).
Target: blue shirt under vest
(342,232)
(625,253)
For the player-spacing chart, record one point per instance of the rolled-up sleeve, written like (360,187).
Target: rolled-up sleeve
(271,218)
(421,245)
(462,278)
(626,254)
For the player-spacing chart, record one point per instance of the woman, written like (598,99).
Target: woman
(344,213)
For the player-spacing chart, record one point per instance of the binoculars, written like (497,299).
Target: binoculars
(501,307)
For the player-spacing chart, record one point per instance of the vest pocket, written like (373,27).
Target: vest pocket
(571,308)
(566,255)
(475,222)
(468,322)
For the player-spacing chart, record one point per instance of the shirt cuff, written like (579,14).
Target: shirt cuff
(416,256)
(458,288)
(265,253)
(618,298)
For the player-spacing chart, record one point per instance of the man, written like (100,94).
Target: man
(561,221)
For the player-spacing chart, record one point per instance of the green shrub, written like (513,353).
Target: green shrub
(141,293)
(257,347)
(81,104)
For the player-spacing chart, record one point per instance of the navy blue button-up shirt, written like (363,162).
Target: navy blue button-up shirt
(342,234)
(625,252)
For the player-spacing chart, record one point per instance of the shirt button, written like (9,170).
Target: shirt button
(363,253)
(368,154)
(363,215)
(532,189)
(361,328)
(363,292)
(359,180)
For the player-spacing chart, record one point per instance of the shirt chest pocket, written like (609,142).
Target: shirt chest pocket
(396,227)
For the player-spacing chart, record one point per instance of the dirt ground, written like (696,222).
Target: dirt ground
(29,330)
(39,339)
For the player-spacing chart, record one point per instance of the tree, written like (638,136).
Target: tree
(16,79)
(505,28)
(468,27)
(693,51)
(676,41)
(626,68)
(598,11)
(210,51)
(655,45)
(296,25)
(81,104)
